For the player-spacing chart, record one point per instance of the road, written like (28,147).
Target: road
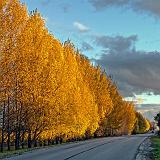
(110,148)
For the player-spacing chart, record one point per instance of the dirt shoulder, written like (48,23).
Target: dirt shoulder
(145,150)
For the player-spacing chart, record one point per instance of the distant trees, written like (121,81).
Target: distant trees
(50,92)
(142,124)
(122,117)
(157,119)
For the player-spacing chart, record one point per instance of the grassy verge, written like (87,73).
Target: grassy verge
(21,151)
(156,146)
(13,152)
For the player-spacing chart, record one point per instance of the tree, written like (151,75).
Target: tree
(11,22)
(157,119)
(49,91)
(129,118)
(142,125)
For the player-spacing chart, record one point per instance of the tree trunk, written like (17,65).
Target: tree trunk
(22,140)
(60,140)
(20,128)
(29,139)
(17,121)
(3,127)
(16,140)
(44,142)
(35,143)
(18,137)
(56,140)
(34,138)
(8,125)
(53,142)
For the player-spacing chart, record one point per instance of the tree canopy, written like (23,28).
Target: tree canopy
(49,90)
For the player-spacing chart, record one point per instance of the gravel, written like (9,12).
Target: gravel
(145,150)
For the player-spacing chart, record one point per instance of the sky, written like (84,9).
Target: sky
(122,36)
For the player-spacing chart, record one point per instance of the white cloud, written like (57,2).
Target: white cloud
(148,110)
(81,27)
(135,71)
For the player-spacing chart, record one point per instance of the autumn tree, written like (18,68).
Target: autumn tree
(129,118)
(11,21)
(142,125)
(49,91)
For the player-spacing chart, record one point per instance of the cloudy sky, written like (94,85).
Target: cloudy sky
(123,36)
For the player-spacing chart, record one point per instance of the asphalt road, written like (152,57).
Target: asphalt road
(110,148)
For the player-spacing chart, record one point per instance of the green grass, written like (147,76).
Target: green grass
(156,146)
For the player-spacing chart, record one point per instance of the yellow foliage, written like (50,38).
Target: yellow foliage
(51,89)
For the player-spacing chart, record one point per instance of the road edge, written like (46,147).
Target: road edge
(144,151)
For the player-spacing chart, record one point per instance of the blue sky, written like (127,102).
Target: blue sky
(61,15)
(123,36)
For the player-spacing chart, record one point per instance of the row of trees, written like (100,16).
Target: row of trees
(142,125)
(49,91)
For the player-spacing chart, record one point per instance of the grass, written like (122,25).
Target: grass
(156,146)
(13,152)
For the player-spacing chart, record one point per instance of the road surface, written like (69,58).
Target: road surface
(110,148)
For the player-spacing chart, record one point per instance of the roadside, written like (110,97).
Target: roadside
(108,148)
(156,145)
(145,150)
(7,154)
(14,152)
(129,143)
